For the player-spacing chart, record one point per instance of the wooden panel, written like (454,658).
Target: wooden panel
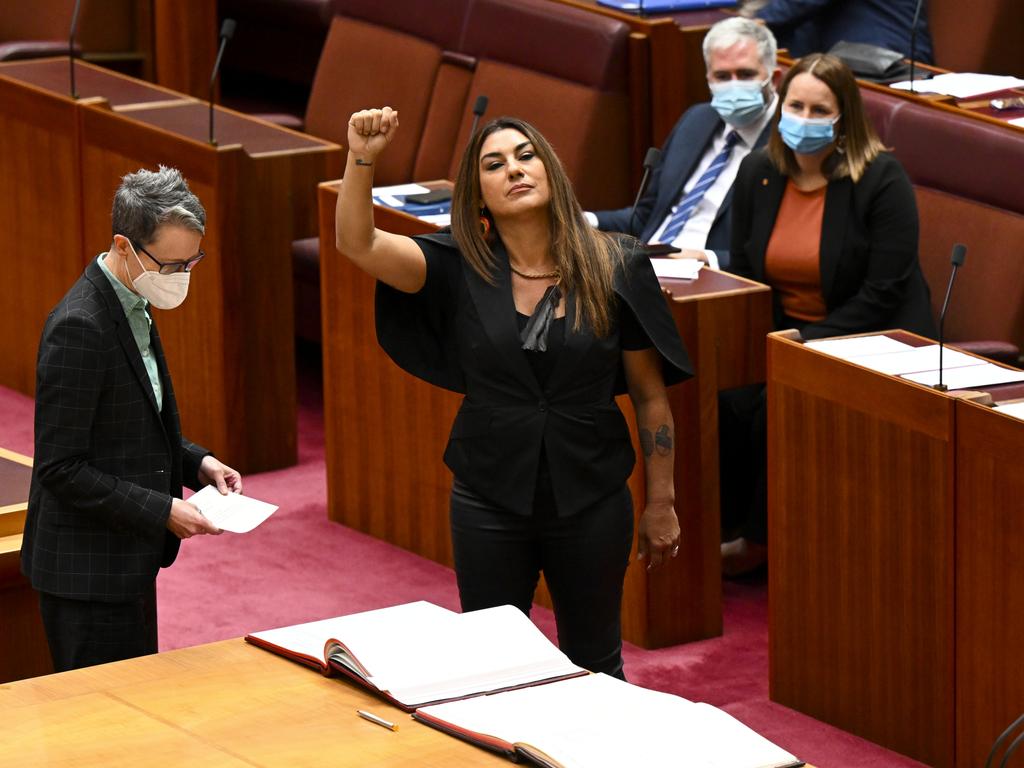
(989,579)
(385,434)
(225,704)
(186,44)
(860,510)
(40,220)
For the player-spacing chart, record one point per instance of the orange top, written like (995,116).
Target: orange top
(792,263)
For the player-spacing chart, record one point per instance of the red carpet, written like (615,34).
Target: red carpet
(299,567)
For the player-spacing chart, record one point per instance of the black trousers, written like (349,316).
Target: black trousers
(499,557)
(743,462)
(82,633)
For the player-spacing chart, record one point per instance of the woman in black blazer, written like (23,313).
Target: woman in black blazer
(827,217)
(540,321)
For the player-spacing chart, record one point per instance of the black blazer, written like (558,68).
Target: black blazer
(870,275)
(681,153)
(460,332)
(107,462)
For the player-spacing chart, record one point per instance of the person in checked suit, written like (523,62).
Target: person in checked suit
(688,201)
(105,511)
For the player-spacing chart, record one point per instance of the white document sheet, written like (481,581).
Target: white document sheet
(916,360)
(962,85)
(597,721)
(678,269)
(1017,121)
(399,189)
(234,512)
(983,375)
(858,346)
(1012,409)
(437,219)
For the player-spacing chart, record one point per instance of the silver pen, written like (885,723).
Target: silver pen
(378,720)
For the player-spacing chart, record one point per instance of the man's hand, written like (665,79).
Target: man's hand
(658,534)
(690,253)
(212,472)
(187,521)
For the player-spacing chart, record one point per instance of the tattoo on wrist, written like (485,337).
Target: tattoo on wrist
(663,440)
(360,161)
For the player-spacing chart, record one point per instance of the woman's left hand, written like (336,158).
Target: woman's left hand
(659,534)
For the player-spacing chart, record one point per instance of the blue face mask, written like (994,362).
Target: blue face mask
(738,102)
(806,135)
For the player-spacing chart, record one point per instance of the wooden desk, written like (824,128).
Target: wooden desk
(23,649)
(230,346)
(225,704)
(895,576)
(385,433)
(989,578)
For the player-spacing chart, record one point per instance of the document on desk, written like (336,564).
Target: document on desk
(677,269)
(234,512)
(1011,409)
(418,653)
(962,85)
(984,375)
(858,346)
(597,721)
(916,360)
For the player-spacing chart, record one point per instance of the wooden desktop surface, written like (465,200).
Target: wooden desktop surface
(385,433)
(223,704)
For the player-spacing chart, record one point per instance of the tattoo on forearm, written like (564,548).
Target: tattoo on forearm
(663,440)
(646,442)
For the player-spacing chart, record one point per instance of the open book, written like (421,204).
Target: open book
(419,653)
(597,721)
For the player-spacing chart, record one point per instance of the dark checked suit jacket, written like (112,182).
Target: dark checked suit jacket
(107,462)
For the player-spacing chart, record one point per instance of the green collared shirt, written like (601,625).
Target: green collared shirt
(135,309)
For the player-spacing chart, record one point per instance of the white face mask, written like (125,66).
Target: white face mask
(162,291)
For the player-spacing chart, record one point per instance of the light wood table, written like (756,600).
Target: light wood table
(385,433)
(224,704)
(23,649)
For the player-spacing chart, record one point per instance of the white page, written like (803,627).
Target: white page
(962,85)
(845,349)
(678,269)
(972,376)
(234,512)
(474,652)
(916,360)
(597,721)
(309,639)
(1017,121)
(399,189)
(1012,409)
(437,219)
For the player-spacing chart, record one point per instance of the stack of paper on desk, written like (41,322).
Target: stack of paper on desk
(419,653)
(597,721)
(917,364)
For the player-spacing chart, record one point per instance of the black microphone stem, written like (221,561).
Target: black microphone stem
(227,31)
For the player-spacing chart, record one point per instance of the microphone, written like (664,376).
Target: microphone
(227,31)
(651,161)
(958,258)
(1002,738)
(913,41)
(71,46)
(479,107)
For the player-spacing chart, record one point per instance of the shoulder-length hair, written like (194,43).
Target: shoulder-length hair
(586,258)
(856,145)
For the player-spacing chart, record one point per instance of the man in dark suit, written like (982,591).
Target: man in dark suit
(688,199)
(105,511)
(809,26)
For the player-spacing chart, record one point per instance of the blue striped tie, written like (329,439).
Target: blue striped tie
(689,202)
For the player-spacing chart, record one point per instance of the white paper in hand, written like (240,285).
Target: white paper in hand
(234,512)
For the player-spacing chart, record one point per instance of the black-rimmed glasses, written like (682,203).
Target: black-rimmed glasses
(171,267)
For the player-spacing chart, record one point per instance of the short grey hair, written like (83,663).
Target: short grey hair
(735,29)
(147,199)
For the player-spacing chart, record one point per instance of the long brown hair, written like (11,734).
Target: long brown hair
(857,143)
(586,258)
